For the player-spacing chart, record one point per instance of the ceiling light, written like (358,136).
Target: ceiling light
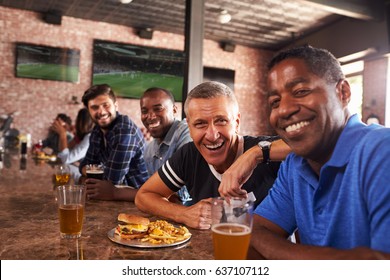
(125,1)
(224,17)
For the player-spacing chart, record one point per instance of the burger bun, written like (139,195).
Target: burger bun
(133,219)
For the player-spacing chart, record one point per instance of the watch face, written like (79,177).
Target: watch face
(264,144)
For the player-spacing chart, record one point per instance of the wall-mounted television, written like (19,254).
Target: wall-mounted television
(47,63)
(131,69)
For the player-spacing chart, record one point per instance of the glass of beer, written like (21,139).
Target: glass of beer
(61,175)
(71,204)
(95,171)
(231,228)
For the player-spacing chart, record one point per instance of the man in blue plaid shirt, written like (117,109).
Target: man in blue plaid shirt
(118,144)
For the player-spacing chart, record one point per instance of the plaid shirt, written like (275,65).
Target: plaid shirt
(121,150)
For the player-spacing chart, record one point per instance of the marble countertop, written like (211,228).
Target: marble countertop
(30,228)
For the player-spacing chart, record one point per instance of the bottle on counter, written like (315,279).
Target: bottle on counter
(37,147)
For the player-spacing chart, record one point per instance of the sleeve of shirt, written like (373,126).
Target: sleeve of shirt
(278,206)
(49,140)
(69,136)
(173,171)
(375,162)
(77,153)
(183,136)
(125,143)
(91,155)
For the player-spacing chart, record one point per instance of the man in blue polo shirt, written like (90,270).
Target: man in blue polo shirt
(335,186)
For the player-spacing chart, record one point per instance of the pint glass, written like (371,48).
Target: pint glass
(231,228)
(95,171)
(71,203)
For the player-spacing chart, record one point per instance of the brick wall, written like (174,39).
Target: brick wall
(39,101)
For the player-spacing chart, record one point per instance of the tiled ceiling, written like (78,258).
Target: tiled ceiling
(267,24)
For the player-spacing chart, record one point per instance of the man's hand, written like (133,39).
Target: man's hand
(58,127)
(238,173)
(198,215)
(99,189)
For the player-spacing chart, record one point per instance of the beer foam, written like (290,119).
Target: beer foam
(95,171)
(231,229)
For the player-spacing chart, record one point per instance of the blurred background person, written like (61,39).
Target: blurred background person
(52,139)
(76,149)
(372,118)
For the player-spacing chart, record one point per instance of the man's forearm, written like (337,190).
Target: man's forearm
(274,247)
(159,206)
(278,151)
(125,193)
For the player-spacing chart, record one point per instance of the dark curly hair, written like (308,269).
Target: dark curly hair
(97,90)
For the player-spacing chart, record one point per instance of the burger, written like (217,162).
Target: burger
(131,226)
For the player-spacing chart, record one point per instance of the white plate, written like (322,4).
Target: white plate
(137,243)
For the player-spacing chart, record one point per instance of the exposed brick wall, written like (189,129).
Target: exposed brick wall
(39,101)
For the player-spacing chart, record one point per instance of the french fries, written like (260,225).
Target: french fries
(164,232)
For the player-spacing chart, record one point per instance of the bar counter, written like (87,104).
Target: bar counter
(30,227)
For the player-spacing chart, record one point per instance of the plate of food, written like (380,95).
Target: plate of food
(43,156)
(140,232)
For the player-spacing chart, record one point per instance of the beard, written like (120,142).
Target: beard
(106,121)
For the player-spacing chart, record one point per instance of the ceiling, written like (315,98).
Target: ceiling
(266,24)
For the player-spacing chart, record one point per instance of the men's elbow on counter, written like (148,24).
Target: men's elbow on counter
(138,199)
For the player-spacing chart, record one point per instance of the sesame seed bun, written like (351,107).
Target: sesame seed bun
(133,219)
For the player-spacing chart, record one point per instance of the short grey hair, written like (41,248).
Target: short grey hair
(208,90)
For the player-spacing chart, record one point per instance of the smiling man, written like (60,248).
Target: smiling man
(117,143)
(158,114)
(334,186)
(213,118)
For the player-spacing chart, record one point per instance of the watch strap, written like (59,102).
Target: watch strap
(265,151)
(265,147)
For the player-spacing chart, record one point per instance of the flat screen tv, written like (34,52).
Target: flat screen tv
(131,69)
(47,63)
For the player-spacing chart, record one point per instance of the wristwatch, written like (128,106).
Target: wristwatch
(265,147)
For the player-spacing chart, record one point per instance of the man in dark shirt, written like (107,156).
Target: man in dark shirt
(213,118)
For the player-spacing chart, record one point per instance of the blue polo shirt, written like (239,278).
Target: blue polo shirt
(349,204)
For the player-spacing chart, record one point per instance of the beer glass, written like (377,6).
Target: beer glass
(95,171)
(71,204)
(231,227)
(61,175)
